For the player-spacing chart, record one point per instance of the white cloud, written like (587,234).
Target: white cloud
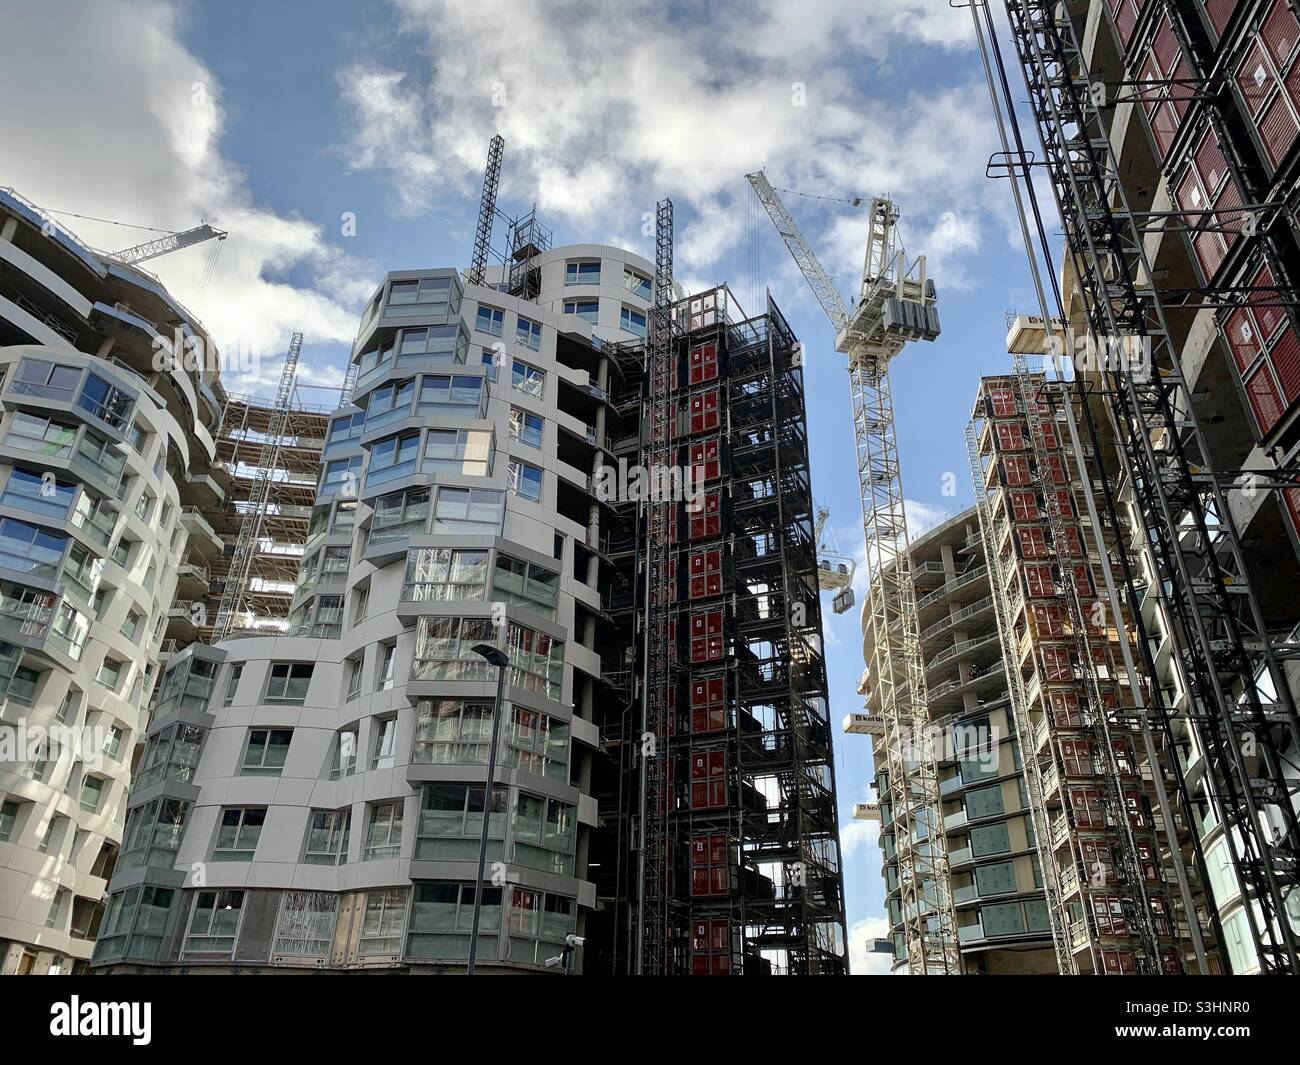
(602,116)
(130,129)
(862,936)
(856,836)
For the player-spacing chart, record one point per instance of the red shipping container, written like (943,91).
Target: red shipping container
(708,705)
(708,780)
(707,521)
(703,362)
(706,573)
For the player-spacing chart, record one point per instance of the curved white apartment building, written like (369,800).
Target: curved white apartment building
(314,800)
(105,461)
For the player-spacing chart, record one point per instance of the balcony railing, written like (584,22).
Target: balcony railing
(969,577)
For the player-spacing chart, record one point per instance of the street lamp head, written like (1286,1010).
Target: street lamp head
(493,654)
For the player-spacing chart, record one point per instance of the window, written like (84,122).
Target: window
(385,732)
(996,879)
(451,820)
(587,310)
(40,494)
(134,923)
(48,380)
(544,831)
(121,553)
(112,745)
(345,429)
(265,752)
(172,754)
(452,732)
(354,668)
(327,837)
(382,923)
(392,457)
(389,402)
(989,839)
(232,682)
(441,574)
(582,273)
(153,833)
(443,649)
(110,673)
(214,923)
(288,682)
(456,396)
(463,451)
(30,549)
(8,820)
(106,402)
(361,603)
(527,379)
(131,625)
(489,320)
(438,344)
(144,505)
(345,753)
(478,511)
(984,802)
(305,926)
(27,432)
(429,294)
(529,334)
(238,833)
(441,917)
(52,838)
(340,476)
(637,284)
(632,321)
(384,833)
(526,584)
(23,685)
(399,515)
(525,427)
(524,481)
(58,913)
(92,793)
(83,570)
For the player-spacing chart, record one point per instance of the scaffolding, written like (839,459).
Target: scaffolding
(271,456)
(1241,710)
(736,863)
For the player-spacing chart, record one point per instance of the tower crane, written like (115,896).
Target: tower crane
(895,306)
(486,210)
(834,570)
(168,243)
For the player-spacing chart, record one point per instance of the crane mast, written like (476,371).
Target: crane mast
(487,208)
(895,306)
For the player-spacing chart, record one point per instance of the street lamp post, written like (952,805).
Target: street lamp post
(499,659)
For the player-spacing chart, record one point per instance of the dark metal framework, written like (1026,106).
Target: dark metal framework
(734,864)
(1243,713)
(486,211)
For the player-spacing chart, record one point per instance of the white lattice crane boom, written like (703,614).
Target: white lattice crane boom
(164,245)
(895,305)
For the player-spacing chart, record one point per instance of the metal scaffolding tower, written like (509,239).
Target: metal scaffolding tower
(895,306)
(658,447)
(1241,708)
(486,211)
(235,593)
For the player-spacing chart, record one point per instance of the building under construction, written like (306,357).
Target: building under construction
(1167,132)
(736,822)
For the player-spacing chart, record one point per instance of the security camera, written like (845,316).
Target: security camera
(574,941)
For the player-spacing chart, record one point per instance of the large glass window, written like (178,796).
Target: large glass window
(99,458)
(441,574)
(637,284)
(489,320)
(587,310)
(441,918)
(28,432)
(989,839)
(327,837)
(451,395)
(443,649)
(384,833)
(265,752)
(451,820)
(544,831)
(437,343)
(238,833)
(539,924)
(527,379)
(526,584)
(537,743)
(172,754)
(389,402)
(340,476)
(48,380)
(152,835)
(427,295)
(463,451)
(582,273)
(526,427)
(106,402)
(305,926)
(345,429)
(400,514)
(288,682)
(452,732)
(524,481)
(478,511)
(214,924)
(392,457)
(30,549)
(632,321)
(134,923)
(38,494)
(527,333)
(382,923)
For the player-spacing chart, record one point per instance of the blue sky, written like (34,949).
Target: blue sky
(272,120)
